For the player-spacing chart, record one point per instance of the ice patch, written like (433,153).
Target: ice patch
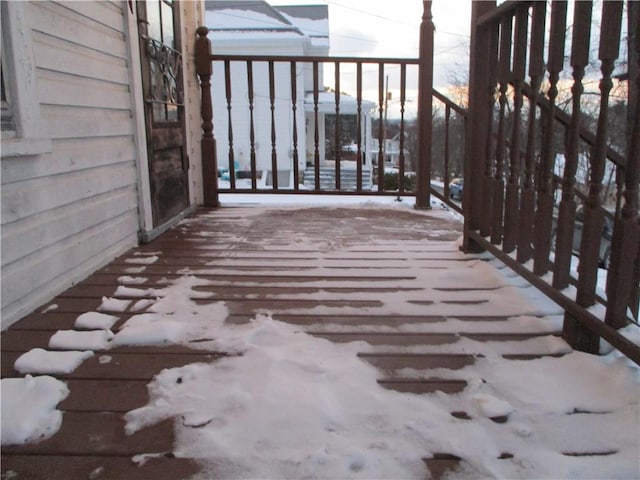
(134,270)
(28,408)
(123,291)
(104,359)
(85,340)
(142,260)
(149,329)
(142,305)
(95,321)
(132,280)
(50,308)
(42,361)
(113,305)
(490,406)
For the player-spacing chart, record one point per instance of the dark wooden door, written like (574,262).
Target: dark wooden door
(161,57)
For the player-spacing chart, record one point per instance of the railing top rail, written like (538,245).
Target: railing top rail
(311,59)
(447,101)
(507,8)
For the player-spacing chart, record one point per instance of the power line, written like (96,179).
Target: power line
(333,35)
(392,20)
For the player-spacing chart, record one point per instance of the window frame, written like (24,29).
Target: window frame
(25,139)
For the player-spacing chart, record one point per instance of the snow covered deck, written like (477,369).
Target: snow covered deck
(210,354)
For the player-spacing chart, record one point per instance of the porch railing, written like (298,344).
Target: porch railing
(522,197)
(272,136)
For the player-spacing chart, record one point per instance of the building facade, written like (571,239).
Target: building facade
(96,156)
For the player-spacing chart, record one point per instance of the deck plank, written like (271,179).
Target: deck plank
(334,285)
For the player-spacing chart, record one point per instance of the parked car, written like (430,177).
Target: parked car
(604,256)
(455,189)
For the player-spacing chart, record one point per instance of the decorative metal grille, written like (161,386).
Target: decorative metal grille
(164,67)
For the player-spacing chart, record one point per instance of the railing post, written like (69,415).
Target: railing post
(622,278)
(576,335)
(425,105)
(476,133)
(204,70)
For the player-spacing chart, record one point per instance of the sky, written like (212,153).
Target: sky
(380,28)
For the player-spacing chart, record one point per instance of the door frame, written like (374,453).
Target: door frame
(147,230)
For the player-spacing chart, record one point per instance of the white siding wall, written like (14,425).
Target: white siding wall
(70,211)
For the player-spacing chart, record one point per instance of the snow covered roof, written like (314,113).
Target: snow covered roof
(256,20)
(312,20)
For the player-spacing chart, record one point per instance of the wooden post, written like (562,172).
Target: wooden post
(622,278)
(475,143)
(573,331)
(204,70)
(425,105)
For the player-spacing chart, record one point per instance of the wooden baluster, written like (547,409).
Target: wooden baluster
(381,130)
(536,72)
(252,131)
(544,211)
(447,124)
(512,208)
(572,331)
(272,103)
(623,276)
(594,216)
(567,209)
(204,69)
(504,71)
(488,173)
(316,131)
(633,166)
(294,110)
(403,99)
(227,85)
(359,125)
(338,143)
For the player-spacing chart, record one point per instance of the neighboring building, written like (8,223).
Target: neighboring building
(253,27)
(391,150)
(96,155)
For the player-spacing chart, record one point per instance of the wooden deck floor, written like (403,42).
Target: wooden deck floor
(339,273)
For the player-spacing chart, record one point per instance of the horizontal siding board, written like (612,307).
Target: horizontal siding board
(70,155)
(77,122)
(60,56)
(103,13)
(59,22)
(55,269)
(72,210)
(21,200)
(62,89)
(63,224)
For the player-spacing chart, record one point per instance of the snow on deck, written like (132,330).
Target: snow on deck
(320,341)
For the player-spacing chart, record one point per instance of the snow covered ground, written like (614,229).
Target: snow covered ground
(286,404)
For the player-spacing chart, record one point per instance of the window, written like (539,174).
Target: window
(21,130)
(8,125)
(165,61)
